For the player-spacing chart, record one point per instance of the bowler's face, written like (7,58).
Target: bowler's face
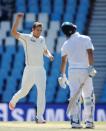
(37,31)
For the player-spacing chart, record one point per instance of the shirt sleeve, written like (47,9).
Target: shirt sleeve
(64,50)
(89,44)
(23,37)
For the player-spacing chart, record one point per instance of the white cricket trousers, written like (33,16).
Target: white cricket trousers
(76,78)
(33,75)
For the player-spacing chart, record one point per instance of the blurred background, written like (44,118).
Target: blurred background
(90,18)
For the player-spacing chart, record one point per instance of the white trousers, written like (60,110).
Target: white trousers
(31,76)
(76,77)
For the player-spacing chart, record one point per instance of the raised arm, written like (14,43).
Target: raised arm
(15,25)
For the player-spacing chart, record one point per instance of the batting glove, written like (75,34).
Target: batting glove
(91,71)
(63,81)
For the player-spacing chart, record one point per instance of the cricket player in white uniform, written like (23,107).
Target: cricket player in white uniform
(78,50)
(34,72)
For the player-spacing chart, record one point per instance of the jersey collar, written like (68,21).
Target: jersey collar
(74,35)
(34,37)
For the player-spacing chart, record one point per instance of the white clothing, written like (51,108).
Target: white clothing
(76,78)
(76,50)
(31,76)
(34,72)
(34,48)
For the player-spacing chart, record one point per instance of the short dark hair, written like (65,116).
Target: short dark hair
(37,24)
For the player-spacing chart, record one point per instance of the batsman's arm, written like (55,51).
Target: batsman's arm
(48,54)
(15,25)
(63,64)
(62,79)
(90,56)
(91,70)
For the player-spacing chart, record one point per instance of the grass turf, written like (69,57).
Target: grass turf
(49,126)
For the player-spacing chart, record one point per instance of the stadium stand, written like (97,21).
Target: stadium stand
(7,8)
(98,32)
(46,11)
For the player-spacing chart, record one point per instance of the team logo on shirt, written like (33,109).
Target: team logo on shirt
(33,40)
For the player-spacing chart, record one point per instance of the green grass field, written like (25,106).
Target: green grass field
(49,126)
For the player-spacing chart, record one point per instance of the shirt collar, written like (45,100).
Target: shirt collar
(34,37)
(74,35)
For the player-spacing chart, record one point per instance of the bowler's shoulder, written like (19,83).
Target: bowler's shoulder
(42,39)
(24,34)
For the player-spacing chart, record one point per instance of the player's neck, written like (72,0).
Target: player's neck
(36,36)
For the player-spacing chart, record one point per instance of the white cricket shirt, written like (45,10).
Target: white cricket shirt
(34,49)
(76,50)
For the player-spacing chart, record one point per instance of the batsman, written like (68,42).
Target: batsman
(78,51)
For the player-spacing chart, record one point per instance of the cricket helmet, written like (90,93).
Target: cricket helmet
(68,28)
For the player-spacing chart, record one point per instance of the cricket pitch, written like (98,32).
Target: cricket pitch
(49,126)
